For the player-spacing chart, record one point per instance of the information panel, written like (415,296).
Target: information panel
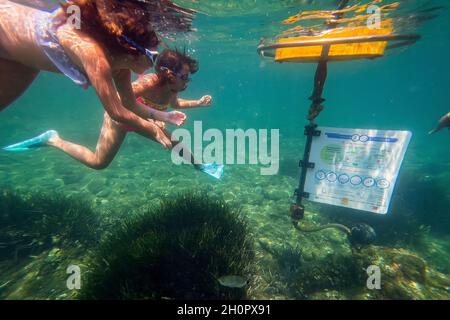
(356,168)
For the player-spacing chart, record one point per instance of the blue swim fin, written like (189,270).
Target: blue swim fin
(32,143)
(213,169)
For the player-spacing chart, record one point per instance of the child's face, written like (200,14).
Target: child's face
(180,80)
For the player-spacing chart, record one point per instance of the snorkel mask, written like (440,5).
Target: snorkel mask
(152,55)
(184,77)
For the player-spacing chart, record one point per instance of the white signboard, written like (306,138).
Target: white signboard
(356,168)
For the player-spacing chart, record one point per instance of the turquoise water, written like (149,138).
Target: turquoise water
(405,90)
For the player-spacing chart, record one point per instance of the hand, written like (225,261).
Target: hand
(176,117)
(205,101)
(160,124)
(161,137)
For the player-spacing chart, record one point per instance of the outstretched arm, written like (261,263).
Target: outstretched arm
(98,69)
(137,89)
(178,103)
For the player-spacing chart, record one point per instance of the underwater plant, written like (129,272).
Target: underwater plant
(181,249)
(305,277)
(289,259)
(33,222)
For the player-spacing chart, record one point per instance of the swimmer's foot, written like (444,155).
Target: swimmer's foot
(212,169)
(33,143)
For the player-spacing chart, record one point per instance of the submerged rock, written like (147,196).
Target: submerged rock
(404,275)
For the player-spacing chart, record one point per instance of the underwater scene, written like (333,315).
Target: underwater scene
(98,200)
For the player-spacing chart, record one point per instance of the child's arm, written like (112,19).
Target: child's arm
(130,91)
(174,117)
(178,103)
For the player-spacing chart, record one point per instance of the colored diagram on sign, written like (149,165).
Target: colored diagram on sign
(353,180)
(355,168)
(352,155)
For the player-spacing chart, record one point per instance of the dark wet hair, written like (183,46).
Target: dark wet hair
(108,20)
(174,61)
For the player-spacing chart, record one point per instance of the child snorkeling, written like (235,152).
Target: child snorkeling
(115,38)
(160,90)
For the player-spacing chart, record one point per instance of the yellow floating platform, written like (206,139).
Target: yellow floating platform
(300,51)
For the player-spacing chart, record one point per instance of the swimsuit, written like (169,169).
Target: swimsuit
(148,102)
(46,25)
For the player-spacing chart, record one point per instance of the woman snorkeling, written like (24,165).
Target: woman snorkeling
(159,90)
(115,38)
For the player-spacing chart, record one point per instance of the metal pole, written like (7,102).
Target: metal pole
(297,209)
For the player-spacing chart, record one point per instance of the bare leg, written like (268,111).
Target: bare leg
(15,78)
(184,152)
(109,142)
(212,169)
(187,154)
